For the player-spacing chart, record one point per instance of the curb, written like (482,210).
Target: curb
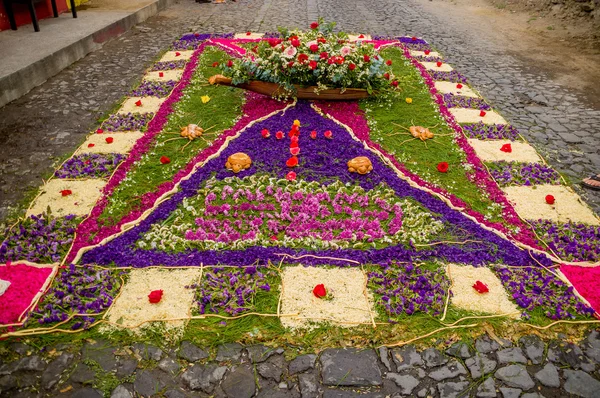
(19,83)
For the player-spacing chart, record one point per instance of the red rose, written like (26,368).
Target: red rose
(230,63)
(295,42)
(314,48)
(366,58)
(302,58)
(274,237)
(351,66)
(161,74)
(291,176)
(550,199)
(388,62)
(265,133)
(177,53)
(294,144)
(155,296)
(279,135)
(99,131)
(109,140)
(314,25)
(339,60)
(438,63)
(330,60)
(273,42)
(319,291)
(91,145)
(387,76)
(138,103)
(427,52)
(312,65)
(66,192)
(313,134)
(481,287)
(292,162)
(215,64)
(165,160)
(290,64)
(328,134)
(442,167)
(294,151)
(321,40)
(323,55)
(459,86)
(482,113)
(506,148)
(394,83)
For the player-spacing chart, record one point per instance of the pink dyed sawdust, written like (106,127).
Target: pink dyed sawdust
(586,281)
(26,282)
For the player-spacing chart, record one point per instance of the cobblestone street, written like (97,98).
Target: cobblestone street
(44,126)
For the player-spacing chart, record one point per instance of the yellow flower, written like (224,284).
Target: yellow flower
(409,100)
(205,99)
(296,122)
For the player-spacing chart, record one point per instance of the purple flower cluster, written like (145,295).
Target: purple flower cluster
(406,289)
(412,40)
(461,101)
(537,289)
(231,290)
(571,241)
(513,173)
(429,58)
(39,239)
(490,132)
(417,46)
(150,88)
(169,65)
(80,290)
(128,122)
(452,76)
(90,165)
(190,41)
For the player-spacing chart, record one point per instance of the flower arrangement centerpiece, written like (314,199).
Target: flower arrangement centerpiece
(314,64)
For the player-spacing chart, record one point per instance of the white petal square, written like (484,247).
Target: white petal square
(348,307)
(489,151)
(416,53)
(3,286)
(450,88)
(433,66)
(465,115)
(464,296)
(148,104)
(122,142)
(171,56)
(252,35)
(173,74)
(530,204)
(132,309)
(84,195)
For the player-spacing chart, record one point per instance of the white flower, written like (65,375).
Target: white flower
(289,52)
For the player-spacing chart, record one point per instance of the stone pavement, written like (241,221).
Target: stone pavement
(531,368)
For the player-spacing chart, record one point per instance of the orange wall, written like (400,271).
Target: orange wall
(43,10)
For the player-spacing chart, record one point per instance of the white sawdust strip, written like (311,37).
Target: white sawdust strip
(450,88)
(251,36)
(464,296)
(416,53)
(133,310)
(356,38)
(530,204)
(489,151)
(172,55)
(465,115)
(349,306)
(84,195)
(173,74)
(122,143)
(3,286)
(433,66)
(149,104)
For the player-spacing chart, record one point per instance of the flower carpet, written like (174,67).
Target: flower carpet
(152,225)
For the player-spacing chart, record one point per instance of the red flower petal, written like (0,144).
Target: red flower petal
(413,38)
(99,131)
(361,36)
(313,134)
(265,133)
(550,199)
(482,113)
(155,296)
(459,86)
(177,53)
(481,287)
(279,135)
(294,138)
(328,134)
(291,176)
(442,167)
(161,74)
(165,160)
(427,52)
(292,162)
(388,62)
(91,145)
(248,33)
(138,103)
(109,140)
(66,192)
(294,151)
(506,148)
(319,291)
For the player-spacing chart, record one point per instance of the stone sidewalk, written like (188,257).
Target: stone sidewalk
(531,368)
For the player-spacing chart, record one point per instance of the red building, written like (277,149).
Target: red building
(43,10)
